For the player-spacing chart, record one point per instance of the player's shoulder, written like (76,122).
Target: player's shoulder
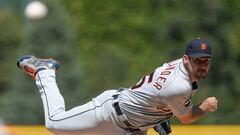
(169,66)
(170,76)
(172,62)
(178,82)
(176,61)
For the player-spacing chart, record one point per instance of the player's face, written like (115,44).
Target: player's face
(200,67)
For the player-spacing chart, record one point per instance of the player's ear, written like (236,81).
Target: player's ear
(188,67)
(185,58)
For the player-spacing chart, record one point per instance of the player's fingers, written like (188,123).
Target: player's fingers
(212,99)
(213,109)
(213,104)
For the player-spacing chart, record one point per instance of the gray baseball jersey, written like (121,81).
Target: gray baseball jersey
(158,96)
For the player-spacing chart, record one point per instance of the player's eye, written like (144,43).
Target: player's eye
(198,61)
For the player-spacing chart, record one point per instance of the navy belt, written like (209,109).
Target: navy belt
(119,111)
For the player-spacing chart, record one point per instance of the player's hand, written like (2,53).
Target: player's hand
(210,104)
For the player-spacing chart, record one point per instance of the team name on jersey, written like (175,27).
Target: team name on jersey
(164,75)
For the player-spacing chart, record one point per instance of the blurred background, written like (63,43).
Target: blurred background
(109,44)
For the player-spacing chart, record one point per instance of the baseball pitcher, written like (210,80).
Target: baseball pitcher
(158,96)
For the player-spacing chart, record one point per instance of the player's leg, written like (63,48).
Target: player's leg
(87,118)
(80,117)
(92,117)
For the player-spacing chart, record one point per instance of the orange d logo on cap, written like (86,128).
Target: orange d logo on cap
(199,48)
(203,46)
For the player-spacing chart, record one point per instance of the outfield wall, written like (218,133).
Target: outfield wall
(177,130)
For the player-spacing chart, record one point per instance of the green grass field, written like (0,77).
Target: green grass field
(177,130)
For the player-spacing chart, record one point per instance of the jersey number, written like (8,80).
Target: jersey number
(142,81)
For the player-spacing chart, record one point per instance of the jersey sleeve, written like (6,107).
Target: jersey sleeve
(179,99)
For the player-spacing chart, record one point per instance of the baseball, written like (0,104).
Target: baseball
(36,10)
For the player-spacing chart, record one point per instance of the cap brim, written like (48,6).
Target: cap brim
(197,55)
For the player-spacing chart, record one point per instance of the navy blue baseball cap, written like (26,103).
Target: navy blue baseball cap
(199,48)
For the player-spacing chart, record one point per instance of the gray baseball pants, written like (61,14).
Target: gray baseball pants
(96,117)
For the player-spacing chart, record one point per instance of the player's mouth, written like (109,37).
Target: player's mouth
(201,74)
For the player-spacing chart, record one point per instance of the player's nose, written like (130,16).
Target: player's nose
(203,66)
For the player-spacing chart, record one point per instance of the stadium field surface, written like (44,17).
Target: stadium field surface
(177,130)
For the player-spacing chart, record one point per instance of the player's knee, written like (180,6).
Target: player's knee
(52,129)
(49,125)
(54,126)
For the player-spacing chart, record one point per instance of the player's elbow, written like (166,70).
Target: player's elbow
(49,125)
(52,126)
(184,121)
(187,118)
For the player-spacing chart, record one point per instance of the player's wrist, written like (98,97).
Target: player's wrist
(204,106)
(207,105)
